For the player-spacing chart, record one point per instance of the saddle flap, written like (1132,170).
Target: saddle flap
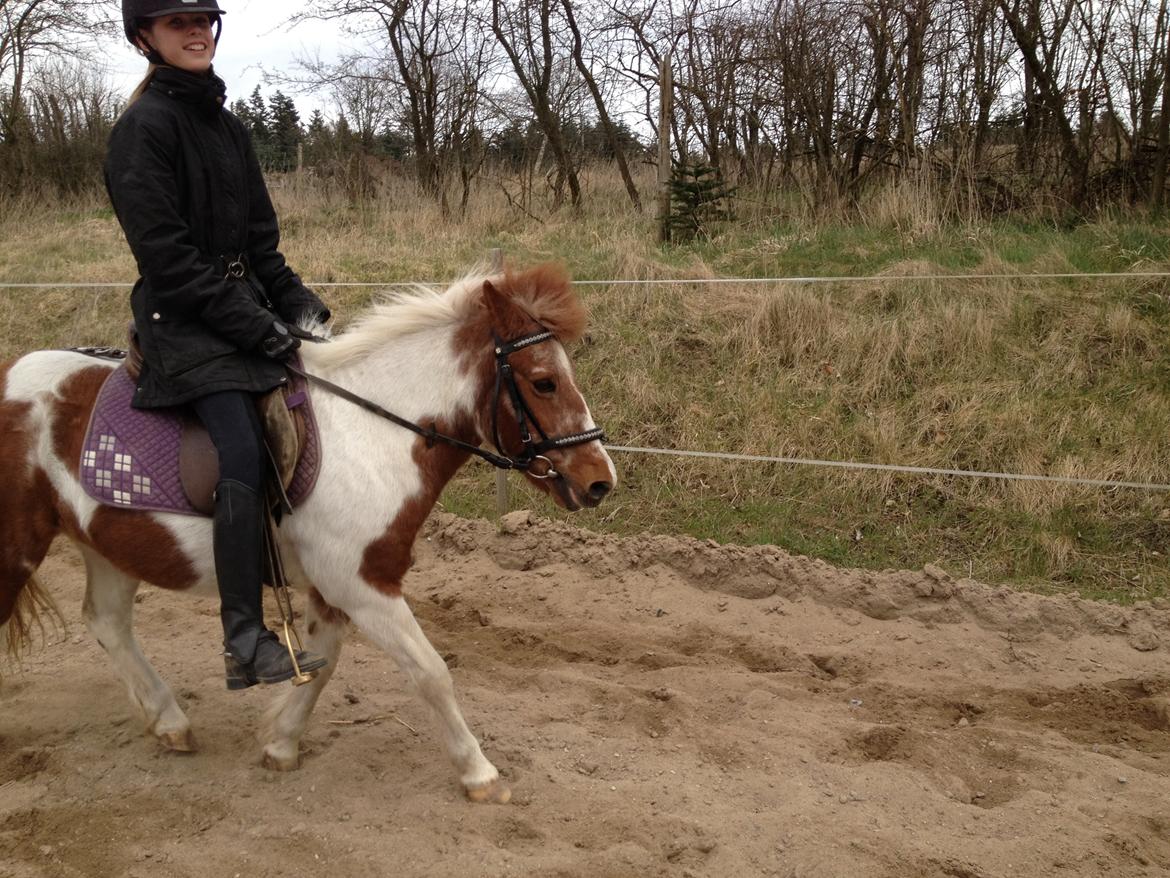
(198,466)
(133,353)
(284,431)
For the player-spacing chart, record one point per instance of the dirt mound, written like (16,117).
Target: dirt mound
(662,706)
(757,572)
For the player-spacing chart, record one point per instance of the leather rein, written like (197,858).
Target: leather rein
(531,460)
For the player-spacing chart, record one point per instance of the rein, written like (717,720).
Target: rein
(430,434)
(533,451)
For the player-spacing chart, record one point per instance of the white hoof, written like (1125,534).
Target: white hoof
(281,758)
(178,741)
(496,792)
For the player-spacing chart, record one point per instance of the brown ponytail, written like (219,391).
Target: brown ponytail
(142,86)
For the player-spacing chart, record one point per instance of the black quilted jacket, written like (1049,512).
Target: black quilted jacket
(188,191)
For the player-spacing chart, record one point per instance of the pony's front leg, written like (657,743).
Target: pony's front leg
(286,718)
(389,622)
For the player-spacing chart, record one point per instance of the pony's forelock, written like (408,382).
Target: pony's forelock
(545,294)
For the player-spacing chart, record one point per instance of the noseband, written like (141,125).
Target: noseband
(531,459)
(532,454)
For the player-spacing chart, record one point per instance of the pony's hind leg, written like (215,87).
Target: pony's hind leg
(389,622)
(285,721)
(109,614)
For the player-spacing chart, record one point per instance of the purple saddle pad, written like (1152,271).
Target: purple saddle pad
(130,458)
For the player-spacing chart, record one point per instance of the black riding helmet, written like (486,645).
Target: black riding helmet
(134,11)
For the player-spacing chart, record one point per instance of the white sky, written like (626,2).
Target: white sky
(255,43)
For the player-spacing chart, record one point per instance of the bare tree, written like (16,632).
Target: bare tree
(528,35)
(1039,35)
(1137,90)
(603,116)
(32,29)
(428,66)
(363,90)
(998,100)
(853,91)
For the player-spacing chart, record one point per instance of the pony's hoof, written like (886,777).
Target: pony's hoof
(182,741)
(281,763)
(495,792)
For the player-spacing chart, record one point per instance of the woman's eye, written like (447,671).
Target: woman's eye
(545,385)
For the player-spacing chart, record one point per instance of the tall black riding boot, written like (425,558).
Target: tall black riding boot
(252,653)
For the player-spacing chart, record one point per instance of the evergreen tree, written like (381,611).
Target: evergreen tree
(511,143)
(240,110)
(699,196)
(317,129)
(258,118)
(284,132)
(345,139)
(318,140)
(597,145)
(395,142)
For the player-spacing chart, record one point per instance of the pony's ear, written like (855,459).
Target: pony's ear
(508,319)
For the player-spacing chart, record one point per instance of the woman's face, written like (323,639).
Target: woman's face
(184,40)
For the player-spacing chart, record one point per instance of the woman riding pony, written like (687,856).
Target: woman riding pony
(215,298)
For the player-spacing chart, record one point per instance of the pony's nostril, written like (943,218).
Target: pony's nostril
(599,489)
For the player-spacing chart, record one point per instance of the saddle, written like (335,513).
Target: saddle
(164,460)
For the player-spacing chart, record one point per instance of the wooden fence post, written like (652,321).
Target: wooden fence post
(665,100)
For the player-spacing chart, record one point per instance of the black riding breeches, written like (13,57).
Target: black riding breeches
(231,419)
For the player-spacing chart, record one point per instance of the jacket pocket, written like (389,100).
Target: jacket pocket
(182,346)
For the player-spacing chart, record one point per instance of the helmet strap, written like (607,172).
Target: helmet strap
(150,52)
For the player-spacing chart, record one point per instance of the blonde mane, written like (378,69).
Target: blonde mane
(399,314)
(543,292)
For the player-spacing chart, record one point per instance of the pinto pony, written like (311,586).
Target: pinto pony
(432,358)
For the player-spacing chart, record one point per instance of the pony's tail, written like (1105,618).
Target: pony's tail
(34,606)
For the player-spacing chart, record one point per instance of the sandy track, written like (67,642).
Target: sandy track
(662,707)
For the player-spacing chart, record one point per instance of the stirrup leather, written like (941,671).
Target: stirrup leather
(279,584)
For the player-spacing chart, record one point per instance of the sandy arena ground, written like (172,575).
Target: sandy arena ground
(662,707)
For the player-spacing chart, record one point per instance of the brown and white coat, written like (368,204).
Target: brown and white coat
(427,357)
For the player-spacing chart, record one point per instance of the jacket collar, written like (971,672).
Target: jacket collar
(206,93)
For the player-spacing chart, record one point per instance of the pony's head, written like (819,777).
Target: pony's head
(530,403)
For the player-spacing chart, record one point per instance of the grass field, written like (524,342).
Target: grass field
(1065,377)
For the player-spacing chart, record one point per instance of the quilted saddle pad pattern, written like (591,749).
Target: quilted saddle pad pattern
(130,457)
(309,465)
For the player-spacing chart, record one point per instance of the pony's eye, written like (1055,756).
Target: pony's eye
(545,385)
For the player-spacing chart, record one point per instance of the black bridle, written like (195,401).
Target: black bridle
(533,452)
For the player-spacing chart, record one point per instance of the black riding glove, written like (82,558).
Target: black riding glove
(303,334)
(279,343)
